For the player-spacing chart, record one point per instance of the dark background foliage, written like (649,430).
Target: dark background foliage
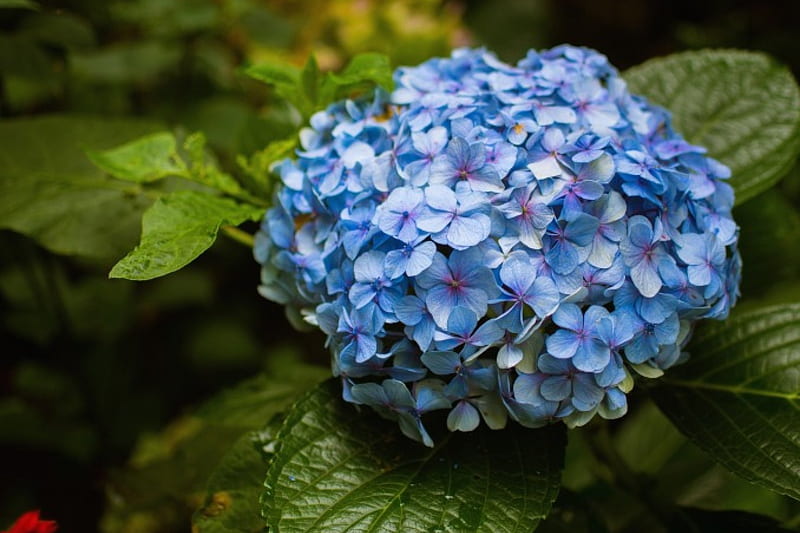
(93,370)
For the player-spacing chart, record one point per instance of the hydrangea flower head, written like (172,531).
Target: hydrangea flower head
(500,241)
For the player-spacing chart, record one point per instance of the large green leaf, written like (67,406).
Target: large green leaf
(738,397)
(177,229)
(337,469)
(50,191)
(742,106)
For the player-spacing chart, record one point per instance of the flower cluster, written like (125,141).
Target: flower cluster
(500,240)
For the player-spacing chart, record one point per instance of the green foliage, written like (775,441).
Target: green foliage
(39,417)
(363,68)
(738,398)
(235,485)
(742,106)
(24,4)
(336,469)
(203,170)
(150,158)
(641,474)
(310,90)
(285,79)
(730,521)
(258,167)
(155,157)
(51,192)
(182,225)
(177,229)
(136,62)
(212,461)
(648,440)
(85,400)
(770,231)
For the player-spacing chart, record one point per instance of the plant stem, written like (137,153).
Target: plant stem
(239,236)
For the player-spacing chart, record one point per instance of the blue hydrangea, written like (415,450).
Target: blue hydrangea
(500,241)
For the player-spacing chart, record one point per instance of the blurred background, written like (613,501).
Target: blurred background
(97,376)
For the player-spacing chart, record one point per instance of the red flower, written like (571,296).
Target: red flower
(30,523)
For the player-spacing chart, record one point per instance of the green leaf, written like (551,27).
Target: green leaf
(281,75)
(310,78)
(742,106)
(205,171)
(234,487)
(770,231)
(703,520)
(366,67)
(147,159)
(738,397)
(60,29)
(177,229)
(253,402)
(208,459)
(647,440)
(259,166)
(232,501)
(337,469)
(51,192)
(134,62)
(156,157)
(22,4)
(286,80)
(309,90)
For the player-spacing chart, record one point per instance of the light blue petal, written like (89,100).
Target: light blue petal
(370,394)
(468,231)
(398,393)
(645,278)
(562,257)
(441,301)
(569,316)
(543,297)
(550,365)
(592,356)
(556,388)
(421,258)
(463,417)
(581,229)
(563,344)
(441,363)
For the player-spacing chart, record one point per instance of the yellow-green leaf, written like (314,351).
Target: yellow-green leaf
(144,160)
